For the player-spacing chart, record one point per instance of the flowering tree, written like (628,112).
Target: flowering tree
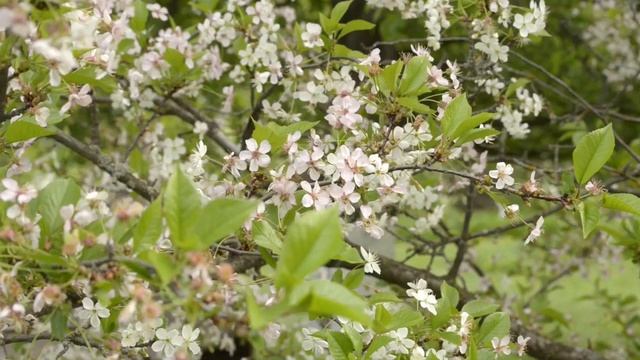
(375,179)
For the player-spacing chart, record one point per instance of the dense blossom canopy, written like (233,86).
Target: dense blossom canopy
(380,179)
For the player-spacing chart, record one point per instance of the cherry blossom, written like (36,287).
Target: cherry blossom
(256,156)
(502,175)
(371,262)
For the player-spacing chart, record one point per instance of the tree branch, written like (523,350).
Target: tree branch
(255,114)
(117,170)
(462,240)
(187,113)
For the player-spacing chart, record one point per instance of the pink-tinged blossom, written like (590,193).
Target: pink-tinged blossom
(501,346)
(315,196)
(309,161)
(345,196)
(283,192)
(343,112)
(435,77)
(291,145)
(348,165)
(233,165)
(61,61)
(256,156)
(77,97)
(535,232)
(369,222)
(15,193)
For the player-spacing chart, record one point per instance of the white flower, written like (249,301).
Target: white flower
(511,210)
(257,156)
(435,77)
(311,35)
(80,98)
(522,344)
(525,23)
(372,59)
(93,312)
(536,232)
(345,196)
(311,342)
(190,336)
(234,165)
(61,61)
(167,341)
(490,45)
(14,193)
(501,346)
(129,336)
(42,115)
(439,354)
(158,12)
(371,262)
(50,295)
(343,112)
(399,342)
(315,196)
(312,93)
(502,175)
(419,291)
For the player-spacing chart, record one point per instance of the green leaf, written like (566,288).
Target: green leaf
(149,228)
(475,134)
(451,337)
(405,317)
(592,152)
(349,255)
(339,345)
(388,78)
(23,129)
(478,308)
(470,123)
(276,134)
(456,113)
(222,217)
(355,25)
(414,76)
(163,263)
(589,213)
(446,307)
(354,278)
(58,193)
(311,241)
(449,295)
(39,256)
(139,20)
(383,297)
(58,321)
(355,337)
(264,235)
(339,10)
(623,202)
(181,210)
(176,60)
(377,342)
(259,317)
(494,325)
(327,24)
(87,75)
(324,297)
(412,103)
